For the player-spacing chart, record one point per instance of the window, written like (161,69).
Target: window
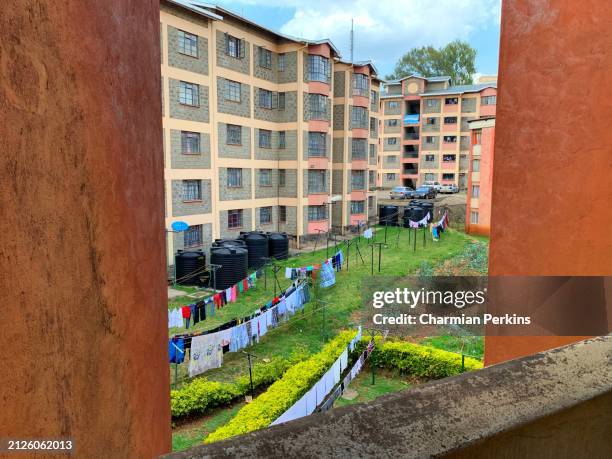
(193,236)
(359,148)
(265,177)
(234,47)
(430,158)
(234,134)
(282,214)
(430,139)
(372,179)
(281,100)
(478,137)
(372,150)
(450,138)
(373,98)
(430,177)
(234,177)
(234,218)
(316,144)
(450,120)
(192,190)
(316,181)
(187,43)
(358,180)
(359,117)
(430,121)
(281,62)
(317,213)
(357,207)
(360,84)
(392,123)
(488,100)
(475,191)
(449,158)
(451,101)
(448,176)
(317,104)
(265,58)
(474,217)
(394,104)
(265,98)
(391,159)
(475,165)
(282,140)
(282,177)
(373,125)
(232,90)
(390,177)
(431,103)
(318,68)
(189,94)
(265,215)
(190,143)
(370,201)
(392,141)
(265,138)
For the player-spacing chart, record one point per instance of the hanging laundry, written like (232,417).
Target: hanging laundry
(176,350)
(186,311)
(206,353)
(328,276)
(368,233)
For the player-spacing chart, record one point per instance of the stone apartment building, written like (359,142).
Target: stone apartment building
(261,130)
(425,133)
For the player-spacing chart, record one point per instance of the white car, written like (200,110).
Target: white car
(430,183)
(449,189)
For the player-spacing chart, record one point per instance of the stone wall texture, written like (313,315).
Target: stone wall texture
(176,59)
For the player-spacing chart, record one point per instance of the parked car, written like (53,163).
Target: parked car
(449,189)
(401,192)
(424,192)
(435,185)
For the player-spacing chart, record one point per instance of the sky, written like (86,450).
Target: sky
(384,29)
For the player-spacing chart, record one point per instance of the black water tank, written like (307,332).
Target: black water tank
(388,215)
(429,208)
(278,246)
(229,243)
(189,266)
(233,261)
(415,213)
(257,245)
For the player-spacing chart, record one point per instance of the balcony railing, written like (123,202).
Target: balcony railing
(411,136)
(411,155)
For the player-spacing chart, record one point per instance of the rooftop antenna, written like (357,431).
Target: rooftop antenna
(352,40)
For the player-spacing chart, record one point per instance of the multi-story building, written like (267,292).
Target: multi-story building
(480,176)
(425,133)
(248,125)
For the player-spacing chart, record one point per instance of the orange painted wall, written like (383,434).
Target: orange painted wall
(552,188)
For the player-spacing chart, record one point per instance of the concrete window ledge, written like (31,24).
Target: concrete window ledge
(553,404)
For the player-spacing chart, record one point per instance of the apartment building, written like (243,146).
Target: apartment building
(425,132)
(480,176)
(248,125)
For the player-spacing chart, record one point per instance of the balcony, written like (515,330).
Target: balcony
(410,155)
(411,136)
(412,119)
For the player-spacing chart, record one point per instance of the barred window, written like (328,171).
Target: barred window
(265,98)
(234,134)
(390,177)
(475,165)
(431,121)
(265,138)
(474,217)
(265,58)
(393,104)
(358,148)
(234,177)
(488,100)
(316,181)
(451,101)
(192,190)
(449,158)
(357,207)
(234,218)
(430,139)
(282,141)
(372,179)
(450,138)
(358,180)
(359,117)
(391,159)
(373,98)
(282,214)
(360,84)
(316,213)
(317,103)
(190,143)
(448,176)
(373,125)
(316,144)
(392,141)
(430,158)
(193,236)
(189,94)
(281,62)
(475,191)
(372,150)
(392,123)
(265,177)
(232,90)
(265,215)
(234,47)
(318,68)
(450,120)
(281,100)
(282,177)
(187,43)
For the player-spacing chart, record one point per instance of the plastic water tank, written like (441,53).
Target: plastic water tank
(233,261)
(388,215)
(229,243)
(278,246)
(257,245)
(190,266)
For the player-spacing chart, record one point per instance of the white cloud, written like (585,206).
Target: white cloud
(385,29)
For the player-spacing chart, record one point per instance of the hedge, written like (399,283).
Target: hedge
(418,360)
(202,394)
(283,393)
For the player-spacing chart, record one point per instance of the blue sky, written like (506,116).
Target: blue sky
(384,29)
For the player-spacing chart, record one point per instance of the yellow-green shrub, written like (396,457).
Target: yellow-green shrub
(283,393)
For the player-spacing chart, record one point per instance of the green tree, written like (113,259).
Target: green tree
(456,59)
